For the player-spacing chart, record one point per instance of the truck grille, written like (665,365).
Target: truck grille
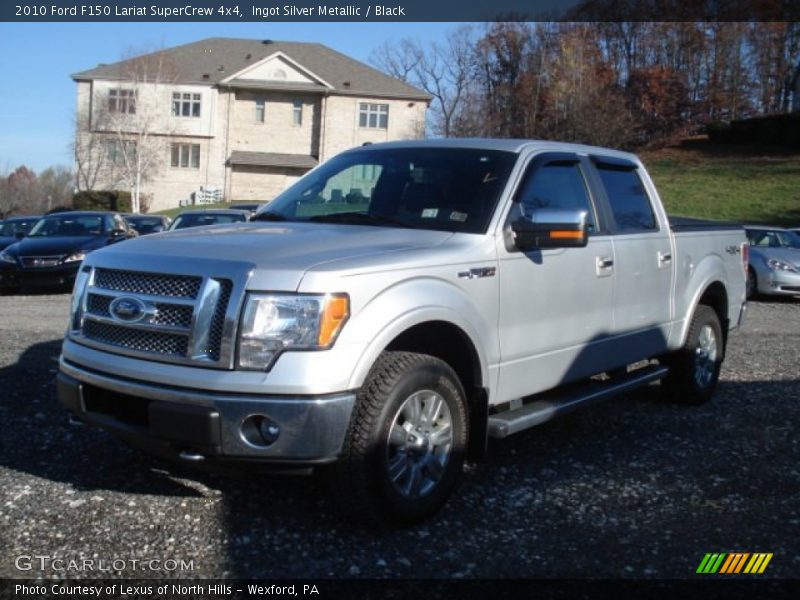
(177,318)
(152,284)
(134,339)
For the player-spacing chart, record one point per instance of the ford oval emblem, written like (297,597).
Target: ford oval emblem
(127,309)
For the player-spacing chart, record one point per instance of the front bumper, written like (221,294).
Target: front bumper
(58,276)
(780,283)
(181,423)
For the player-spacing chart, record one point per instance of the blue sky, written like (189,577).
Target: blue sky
(37,96)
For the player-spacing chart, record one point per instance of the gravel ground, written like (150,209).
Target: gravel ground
(635,487)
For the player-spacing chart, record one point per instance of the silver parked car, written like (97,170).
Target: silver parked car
(774,261)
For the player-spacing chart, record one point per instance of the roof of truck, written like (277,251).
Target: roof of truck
(507,145)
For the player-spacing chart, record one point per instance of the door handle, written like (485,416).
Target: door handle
(664,257)
(605,262)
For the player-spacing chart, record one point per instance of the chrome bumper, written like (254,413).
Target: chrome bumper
(181,423)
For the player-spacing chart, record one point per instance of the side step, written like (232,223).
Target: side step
(552,404)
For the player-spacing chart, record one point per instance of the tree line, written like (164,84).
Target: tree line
(24,192)
(623,84)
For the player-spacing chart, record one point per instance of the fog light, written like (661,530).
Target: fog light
(269,430)
(260,431)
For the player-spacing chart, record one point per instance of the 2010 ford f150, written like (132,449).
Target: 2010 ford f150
(397,306)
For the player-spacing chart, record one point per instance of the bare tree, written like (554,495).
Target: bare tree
(131,123)
(89,152)
(442,70)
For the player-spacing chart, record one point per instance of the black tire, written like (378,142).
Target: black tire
(361,479)
(694,369)
(752,283)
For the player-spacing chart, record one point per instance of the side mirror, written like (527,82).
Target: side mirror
(551,228)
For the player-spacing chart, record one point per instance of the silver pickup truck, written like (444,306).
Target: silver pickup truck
(397,306)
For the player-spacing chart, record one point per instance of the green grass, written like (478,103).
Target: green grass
(747,185)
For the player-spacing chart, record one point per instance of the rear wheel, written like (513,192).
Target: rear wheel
(694,369)
(405,447)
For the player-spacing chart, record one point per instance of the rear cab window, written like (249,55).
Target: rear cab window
(631,208)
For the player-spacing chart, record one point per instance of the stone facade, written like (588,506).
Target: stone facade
(243,113)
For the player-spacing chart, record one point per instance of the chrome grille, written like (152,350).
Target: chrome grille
(182,319)
(151,284)
(218,322)
(97,304)
(175,315)
(136,339)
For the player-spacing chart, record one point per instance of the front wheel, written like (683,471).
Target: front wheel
(694,369)
(405,446)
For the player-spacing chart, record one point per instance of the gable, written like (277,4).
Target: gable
(278,68)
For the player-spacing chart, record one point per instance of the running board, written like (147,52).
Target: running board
(551,405)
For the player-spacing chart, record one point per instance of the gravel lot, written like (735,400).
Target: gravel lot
(635,487)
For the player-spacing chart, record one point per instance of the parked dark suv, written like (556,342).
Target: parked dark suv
(55,247)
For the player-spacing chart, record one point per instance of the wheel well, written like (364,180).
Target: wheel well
(449,343)
(446,342)
(716,297)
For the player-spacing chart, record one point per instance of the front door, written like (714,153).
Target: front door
(556,308)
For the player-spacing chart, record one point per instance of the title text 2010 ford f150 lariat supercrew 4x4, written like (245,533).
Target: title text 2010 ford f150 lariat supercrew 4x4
(397,306)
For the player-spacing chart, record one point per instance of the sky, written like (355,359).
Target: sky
(37,96)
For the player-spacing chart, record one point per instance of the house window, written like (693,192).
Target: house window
(373,116)
(118,152)
(260,110)
(185,104)
(122,101)
(297,112)
(185,156)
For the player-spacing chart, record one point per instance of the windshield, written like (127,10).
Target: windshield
(68,226)
(10,228)
(145,224)
(767,238)
(450,189)
(197,220)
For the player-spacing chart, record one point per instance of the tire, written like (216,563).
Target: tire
(752,283)
(397,468)
(694,369)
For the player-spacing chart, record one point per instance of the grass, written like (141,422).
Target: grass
(728,183)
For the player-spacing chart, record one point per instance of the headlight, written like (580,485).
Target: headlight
(779,265)
(272,323)
(77,257)
(7,258)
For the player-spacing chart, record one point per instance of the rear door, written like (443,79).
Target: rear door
(643,260)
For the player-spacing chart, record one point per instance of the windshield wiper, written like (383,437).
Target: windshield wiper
(268,215)
(360,218)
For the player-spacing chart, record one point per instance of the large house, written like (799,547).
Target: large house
(234,118)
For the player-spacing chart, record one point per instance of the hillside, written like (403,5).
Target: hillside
(733,183)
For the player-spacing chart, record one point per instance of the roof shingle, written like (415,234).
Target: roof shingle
(212,60)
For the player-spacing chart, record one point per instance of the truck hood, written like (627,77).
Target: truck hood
(278,254)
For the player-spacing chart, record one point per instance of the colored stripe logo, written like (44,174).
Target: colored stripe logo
(734,563)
